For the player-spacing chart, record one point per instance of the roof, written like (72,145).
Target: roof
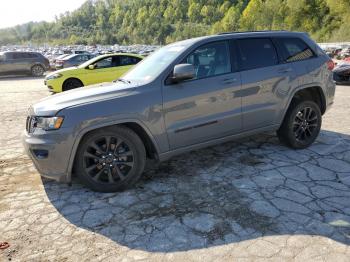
(255,31)
(238,34)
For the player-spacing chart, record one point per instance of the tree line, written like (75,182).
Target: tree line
(165,21)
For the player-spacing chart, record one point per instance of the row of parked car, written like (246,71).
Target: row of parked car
(53,52)
(83,68)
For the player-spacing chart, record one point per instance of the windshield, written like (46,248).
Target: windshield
(149,68)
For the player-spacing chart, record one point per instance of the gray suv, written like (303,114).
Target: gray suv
(187,95)
(23,63)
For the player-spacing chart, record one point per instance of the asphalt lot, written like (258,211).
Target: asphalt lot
(248,200)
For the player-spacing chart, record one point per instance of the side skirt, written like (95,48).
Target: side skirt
(165,156)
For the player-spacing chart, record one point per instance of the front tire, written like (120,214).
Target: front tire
(71,83)
(110,159)
(301,125)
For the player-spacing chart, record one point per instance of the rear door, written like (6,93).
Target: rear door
(103,71)
(110,68)
(126,62)
(205,107)
(265,82)
(4,68)
(17,62)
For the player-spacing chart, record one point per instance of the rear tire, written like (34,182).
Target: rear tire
(110,159)
(37,70)
(301,125)
(71,83)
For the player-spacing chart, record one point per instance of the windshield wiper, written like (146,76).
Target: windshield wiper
(122,80)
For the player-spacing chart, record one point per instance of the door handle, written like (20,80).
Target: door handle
(285,70)
(229,80)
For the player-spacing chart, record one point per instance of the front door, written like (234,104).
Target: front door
(207,106)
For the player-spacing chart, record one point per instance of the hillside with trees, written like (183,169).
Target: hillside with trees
(164,21)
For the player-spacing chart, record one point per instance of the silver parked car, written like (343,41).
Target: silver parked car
(15,62)
(186,95)
(72,60)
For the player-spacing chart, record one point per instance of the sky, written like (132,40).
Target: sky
(14,12)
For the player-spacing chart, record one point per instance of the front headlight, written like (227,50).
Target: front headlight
(54,76)
(48,123)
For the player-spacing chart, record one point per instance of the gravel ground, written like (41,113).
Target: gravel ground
(248,200)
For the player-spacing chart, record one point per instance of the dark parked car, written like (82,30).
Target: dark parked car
(23,63)
(341,74)
(185,96)
(72,60)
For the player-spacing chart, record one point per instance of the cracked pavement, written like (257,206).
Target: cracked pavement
(248,200)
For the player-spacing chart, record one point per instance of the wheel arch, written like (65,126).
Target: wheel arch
(312,92)
(137,126)
(37,63)
(70,78)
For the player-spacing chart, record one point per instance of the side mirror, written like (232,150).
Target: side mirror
(183,72)
(91,67)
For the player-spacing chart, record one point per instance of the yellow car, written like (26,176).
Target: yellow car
(104,68)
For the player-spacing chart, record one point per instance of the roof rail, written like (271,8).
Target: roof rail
(253,31)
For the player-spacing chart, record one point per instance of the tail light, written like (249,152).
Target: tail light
(330,65)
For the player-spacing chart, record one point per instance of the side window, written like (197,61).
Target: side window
(256,53)
(104,63)
(84,58)
(128,60)
(17,55)
(8,56)
(29,55)
(210,60)
(294,49)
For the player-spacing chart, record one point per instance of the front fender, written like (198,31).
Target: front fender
(98,125)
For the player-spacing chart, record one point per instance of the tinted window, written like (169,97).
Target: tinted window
(18,55)
(255,53)
(29,55)
(129,60)
(210,60)
(104,63)
(294,49)
(81,58)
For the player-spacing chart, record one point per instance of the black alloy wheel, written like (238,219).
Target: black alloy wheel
(301,124)
(305,124)
(110,159)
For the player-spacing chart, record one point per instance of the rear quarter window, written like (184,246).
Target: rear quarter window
(293,49)
(256,53)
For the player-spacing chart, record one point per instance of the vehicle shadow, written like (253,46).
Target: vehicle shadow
(20,77)
(223,194)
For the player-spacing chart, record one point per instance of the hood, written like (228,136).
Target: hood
(62,71)
(50,105)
